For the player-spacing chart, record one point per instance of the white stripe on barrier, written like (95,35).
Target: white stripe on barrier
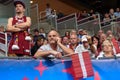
(82,65)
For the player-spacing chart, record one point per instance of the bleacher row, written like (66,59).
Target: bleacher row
(92,23)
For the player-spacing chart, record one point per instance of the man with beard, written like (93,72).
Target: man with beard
(54,48)
(19,26)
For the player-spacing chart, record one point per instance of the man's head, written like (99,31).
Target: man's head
(73,39)
(65,40)
(40,40)
(109,32)
(103,37)
(36,32)
(80,31)
(19,6)
(100,32)
(52,36)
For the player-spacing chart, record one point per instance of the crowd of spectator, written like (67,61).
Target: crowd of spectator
(100,45)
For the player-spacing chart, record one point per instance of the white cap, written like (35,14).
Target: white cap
(84,39)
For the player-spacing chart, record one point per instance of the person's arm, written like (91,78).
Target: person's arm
(24,24)
(10,27)
(64,48)
(46,53)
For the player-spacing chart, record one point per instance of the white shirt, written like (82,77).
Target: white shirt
(101,55)
(47,47)
(80,48)
(48,11)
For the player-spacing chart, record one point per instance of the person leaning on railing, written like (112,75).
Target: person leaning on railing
(54,48)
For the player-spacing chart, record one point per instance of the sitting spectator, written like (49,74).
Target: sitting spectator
(95,46)
(111,13)
(106,19)
(1,28)
(36,35)
(67,34)
(103,37)
(39,42)
(84,47)
(109,33)
(107,50)
(73,31)
(84,14)
(54,48)
(99,33)
(91,12)
(74,41)
(80,34)
(86,35)
(65,41)
(41,32)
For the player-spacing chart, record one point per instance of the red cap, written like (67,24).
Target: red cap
(19,2)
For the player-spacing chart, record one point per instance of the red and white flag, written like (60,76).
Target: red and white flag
(82,65)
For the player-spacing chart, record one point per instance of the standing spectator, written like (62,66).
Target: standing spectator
(19,26)
(48,10)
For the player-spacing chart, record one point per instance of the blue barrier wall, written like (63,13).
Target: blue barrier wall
(30,69)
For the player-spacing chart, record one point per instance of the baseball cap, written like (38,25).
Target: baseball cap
(19,2)
(84,39)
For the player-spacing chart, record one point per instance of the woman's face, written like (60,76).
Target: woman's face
(95,41)
(107,47)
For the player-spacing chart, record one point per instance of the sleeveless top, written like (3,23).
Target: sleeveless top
(19,39)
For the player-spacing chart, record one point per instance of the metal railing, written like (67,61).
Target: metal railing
(42,16)
(34,16)
(66,23)
(113,25)
(51,19)
(91,24)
